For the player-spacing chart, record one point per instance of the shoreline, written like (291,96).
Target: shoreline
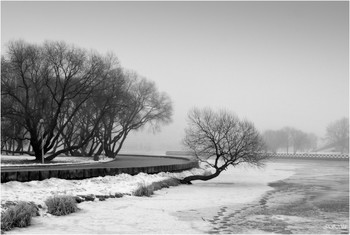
(204,219)
(181,209)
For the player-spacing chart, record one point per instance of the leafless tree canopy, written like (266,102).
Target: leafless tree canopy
(87,101)
(288,137)
(221,139)
(338,135)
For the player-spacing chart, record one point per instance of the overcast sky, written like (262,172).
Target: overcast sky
(275,63)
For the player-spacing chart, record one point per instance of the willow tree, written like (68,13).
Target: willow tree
(46,86)
(66,100)
(220,139)
(139,104)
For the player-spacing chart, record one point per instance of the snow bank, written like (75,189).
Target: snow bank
(39,191)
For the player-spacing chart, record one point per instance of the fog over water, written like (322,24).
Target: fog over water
(275,63)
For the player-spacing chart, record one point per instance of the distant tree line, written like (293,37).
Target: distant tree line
(288,138)
(57,99)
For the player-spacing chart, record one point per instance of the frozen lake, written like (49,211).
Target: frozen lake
(307,197)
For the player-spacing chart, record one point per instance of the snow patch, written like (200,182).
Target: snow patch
(10,160)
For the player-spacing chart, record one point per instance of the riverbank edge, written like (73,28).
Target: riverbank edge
(23,175)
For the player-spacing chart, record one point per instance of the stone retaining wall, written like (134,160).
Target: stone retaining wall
(43,174)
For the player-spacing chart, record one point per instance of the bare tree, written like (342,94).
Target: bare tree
(42,82)
(141,103)
(220,139)
(114,89)
(299,140)
(338,135)
(275,139)
(312,140)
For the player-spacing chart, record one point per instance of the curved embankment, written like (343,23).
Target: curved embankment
(129,164)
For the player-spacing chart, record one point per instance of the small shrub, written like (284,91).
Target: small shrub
(158,185)
(144,190)
(7,219)
(23,212)
(61,205)
(172,182)
(165,183)
(19,215)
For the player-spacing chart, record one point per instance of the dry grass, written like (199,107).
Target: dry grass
(61,205)
(19,215)
(143,190)
(148,190)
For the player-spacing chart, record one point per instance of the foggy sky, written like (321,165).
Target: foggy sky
(275,63)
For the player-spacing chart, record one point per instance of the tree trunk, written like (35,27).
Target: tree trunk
(36,145)
(19,145)
(188,179)
(99,151)
(10,145)
(109,153)
(115,153)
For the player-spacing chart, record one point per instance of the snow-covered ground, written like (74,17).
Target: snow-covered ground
(10,160)
(39,191)
(183,209)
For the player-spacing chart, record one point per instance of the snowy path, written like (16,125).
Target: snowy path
(181,209)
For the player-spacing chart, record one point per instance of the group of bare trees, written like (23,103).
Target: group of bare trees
(337,138)
(57,99)
(289,138)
